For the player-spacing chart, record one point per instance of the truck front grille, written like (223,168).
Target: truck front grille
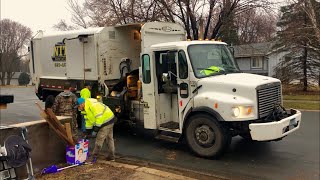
(268,96)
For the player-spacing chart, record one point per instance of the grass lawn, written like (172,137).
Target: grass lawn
(309,102)
(315,105)
(295,97)
(302,97)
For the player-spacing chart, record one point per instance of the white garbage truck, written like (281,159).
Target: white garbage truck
(151,75)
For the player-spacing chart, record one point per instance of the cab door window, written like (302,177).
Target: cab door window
(183,65)
(146,69)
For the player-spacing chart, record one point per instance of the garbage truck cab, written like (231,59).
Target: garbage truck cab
(195,89)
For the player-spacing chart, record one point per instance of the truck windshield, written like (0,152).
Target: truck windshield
(211,59)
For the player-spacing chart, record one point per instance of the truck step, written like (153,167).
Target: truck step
(170,125)
(168,136)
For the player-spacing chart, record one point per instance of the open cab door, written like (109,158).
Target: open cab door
(148,88)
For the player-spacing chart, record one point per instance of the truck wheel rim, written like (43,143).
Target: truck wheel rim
(205,136)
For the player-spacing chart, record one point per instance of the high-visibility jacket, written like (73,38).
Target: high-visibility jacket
(97,113)
(85,93)
(210,70)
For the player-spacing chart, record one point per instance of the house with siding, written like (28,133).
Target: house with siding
(263,58)
(254,58)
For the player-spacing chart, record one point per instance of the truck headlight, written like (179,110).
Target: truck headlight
(242,111)
(236,111)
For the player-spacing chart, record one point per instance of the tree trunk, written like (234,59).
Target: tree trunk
(3,75)
(8,81)
(304,58)
(212,4)
(184,20)
(216,29)
(305,78)
(192,20)
(9,77)
(319,80)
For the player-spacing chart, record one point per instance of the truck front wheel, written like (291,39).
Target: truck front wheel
(206,136)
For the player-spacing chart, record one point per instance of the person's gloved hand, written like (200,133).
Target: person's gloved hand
(87,134)
(96,128)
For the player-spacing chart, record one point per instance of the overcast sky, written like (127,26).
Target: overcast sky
(36,14)
(39,14)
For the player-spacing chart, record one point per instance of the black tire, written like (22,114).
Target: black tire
(206,136)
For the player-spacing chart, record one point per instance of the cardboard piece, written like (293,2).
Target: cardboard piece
(55,124)
(79,153)
(68,130)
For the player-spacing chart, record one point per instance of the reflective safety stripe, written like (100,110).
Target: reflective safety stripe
(105,121)
(100,114)
(83,112)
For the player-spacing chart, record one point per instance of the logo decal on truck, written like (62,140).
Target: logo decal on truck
(166,29)
(59,52)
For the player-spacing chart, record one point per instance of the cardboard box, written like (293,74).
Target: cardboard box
(79,153)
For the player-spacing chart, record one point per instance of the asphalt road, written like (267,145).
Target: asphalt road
(23,108)
(294,157)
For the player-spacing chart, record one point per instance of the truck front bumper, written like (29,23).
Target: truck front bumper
(277,129)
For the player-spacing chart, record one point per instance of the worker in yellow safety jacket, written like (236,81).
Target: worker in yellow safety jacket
(99,118)
(85,92)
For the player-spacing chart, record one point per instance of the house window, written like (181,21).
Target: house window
(256,62)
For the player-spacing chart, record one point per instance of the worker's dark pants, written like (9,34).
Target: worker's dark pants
(83,123)
(105,133)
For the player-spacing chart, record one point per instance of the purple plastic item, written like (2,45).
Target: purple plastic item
(79,153)
(54,169)
(51,169)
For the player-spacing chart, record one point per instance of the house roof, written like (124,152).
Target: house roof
(255,49)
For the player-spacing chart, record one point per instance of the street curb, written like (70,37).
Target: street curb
(308,110)
(15,86)
(147,170)
(142,162)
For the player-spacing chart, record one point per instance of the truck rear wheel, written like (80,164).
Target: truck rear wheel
(206,137)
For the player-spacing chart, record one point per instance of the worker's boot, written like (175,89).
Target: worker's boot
(108,158)
(94,156)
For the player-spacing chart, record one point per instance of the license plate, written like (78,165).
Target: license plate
(292,121)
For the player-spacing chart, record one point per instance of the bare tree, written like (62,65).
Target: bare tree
(63,26)
(79,14)
(217,15)
(112,12)
(13,38)
(255,26)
